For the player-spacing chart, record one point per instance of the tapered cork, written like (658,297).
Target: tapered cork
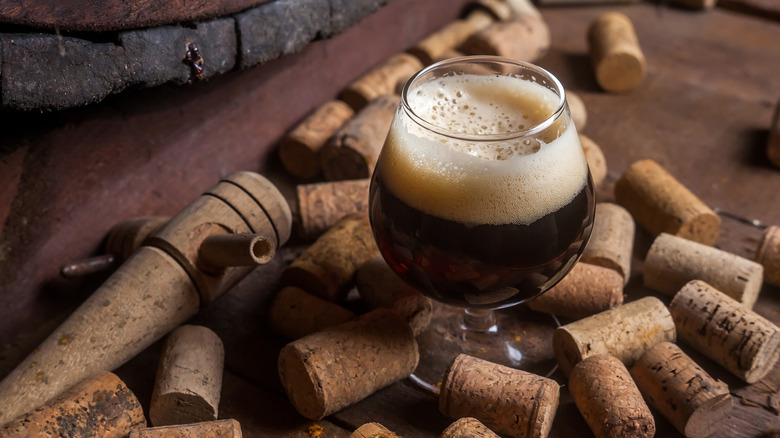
(334,368)
(768,255)
(742,341)
(677,387)
(597,162)
(126,237)
(773,144)
(299,149)
(500,9)
(467,427)
(617,59)
(351,152)
(525,37)
(673,261)
(189,377)
(295,313)
(379,287)
(373,430)
(625,332)
(609,400)
(381,80)
(661,204)
(507,400)
(100,406)
(611,243)
(211,429)
(579,112)
(586,290)
(450,36)
(321,205)
(327,267)
(523,7)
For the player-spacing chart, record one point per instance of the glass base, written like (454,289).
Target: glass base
(516,337)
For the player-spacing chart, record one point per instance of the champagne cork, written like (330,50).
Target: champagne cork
(381,80)
(617,59)
(596,160)
(587,289)
(100,406)
(507,400)
(373,430)
(211,429)
(334,368)
(321,205)
(661,204)
(126,237)
(379,287)
(695,4)
(578,111)
(326,268)
(768,255)
(525,37)
(467,427)
(189,377)
(450,36)
(773,144)
(625,332)
(742,341)
(673,261)
(609,400)
(299,149)
(499,9)
(523,7)
(682,391)
(295,313)
(351,152)
(611,243)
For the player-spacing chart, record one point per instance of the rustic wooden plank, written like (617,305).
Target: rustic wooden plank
(87,15)
(768,9)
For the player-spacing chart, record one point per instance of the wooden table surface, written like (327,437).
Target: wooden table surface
(702,112)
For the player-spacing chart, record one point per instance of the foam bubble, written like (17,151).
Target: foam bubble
(493,182)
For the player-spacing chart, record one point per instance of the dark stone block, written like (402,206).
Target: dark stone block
(160,54)
(346,13)
(280,28)
(42,71)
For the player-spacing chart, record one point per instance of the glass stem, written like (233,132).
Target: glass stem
(478,320)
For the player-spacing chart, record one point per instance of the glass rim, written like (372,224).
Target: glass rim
(535,129)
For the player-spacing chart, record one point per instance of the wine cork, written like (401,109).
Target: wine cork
(768,255)
(467,427)
(381,80)
(596,160)
(523,7)
(661,204)
(299,149)
(450,36)
(295,313)
(379,287)
(682,391)
(525,37)
(673,261)
(626,332)
(586,290)
(334,368)
(189,377)
(101,405)
(742,341)
(773,144)
(617,59)
(611,242)
(124,238)
(507,400)
(326,268)
(499,9)
(321,205)
(351,152)
(695,4)
(578,111)
(212,429)
(373,430)
(609,400)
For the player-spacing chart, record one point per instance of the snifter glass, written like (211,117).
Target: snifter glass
(482,199)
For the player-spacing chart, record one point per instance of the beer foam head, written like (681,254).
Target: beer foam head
(486,161)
